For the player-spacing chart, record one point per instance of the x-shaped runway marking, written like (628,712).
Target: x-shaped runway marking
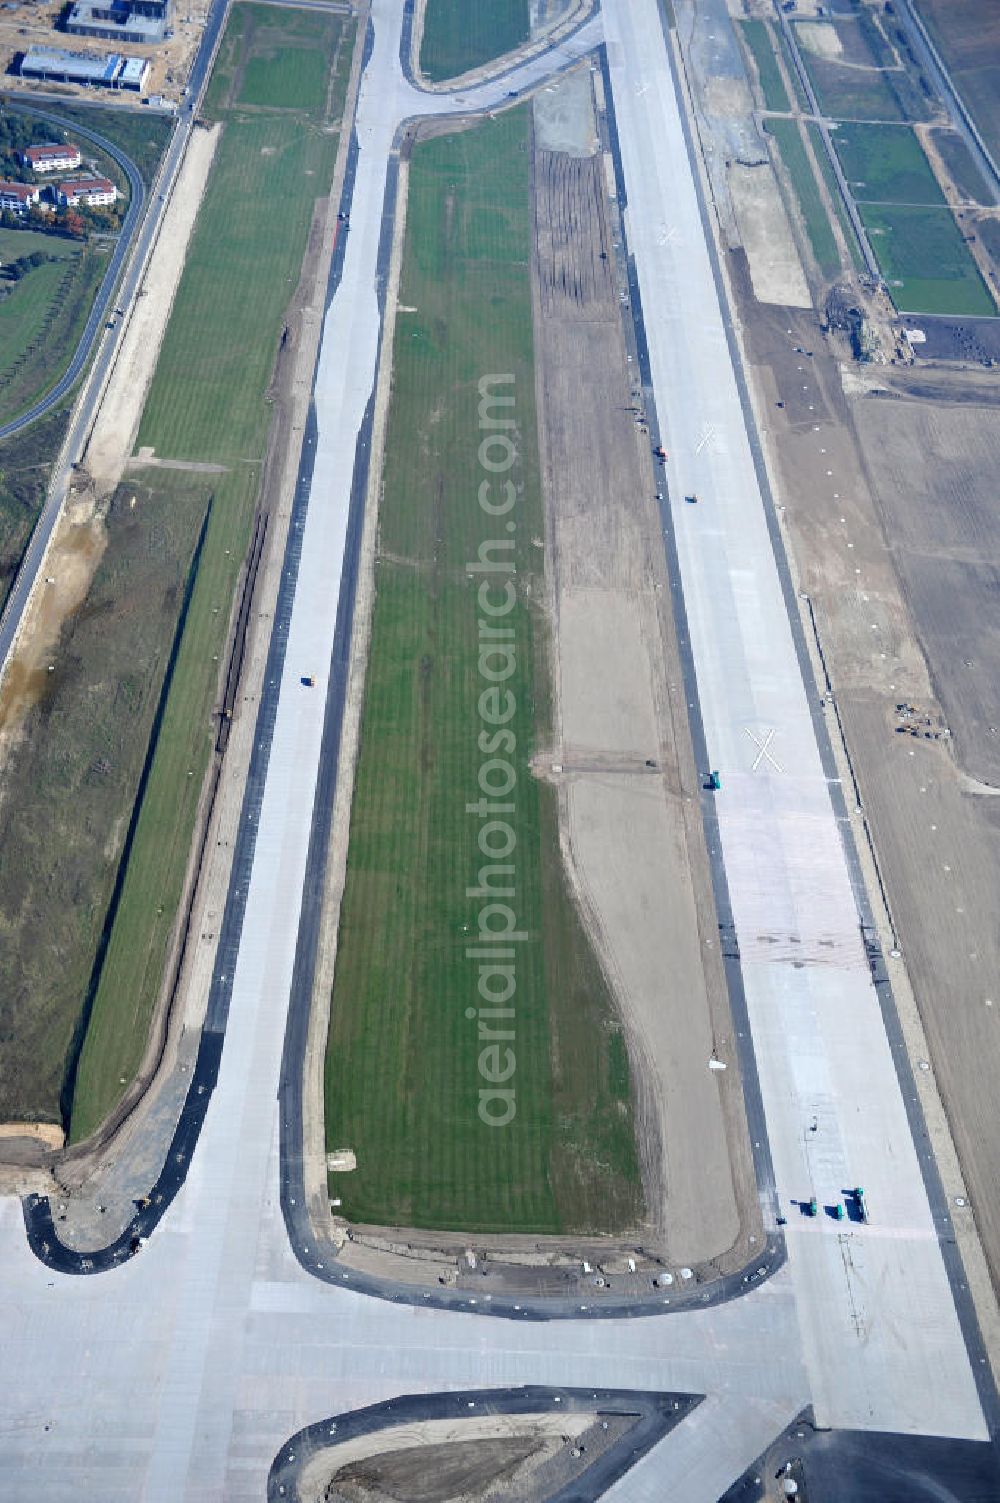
(764,749)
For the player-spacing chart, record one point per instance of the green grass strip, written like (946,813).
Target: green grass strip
(405,1065)
(757,35)
(797,86)
(836,198)
(799,168)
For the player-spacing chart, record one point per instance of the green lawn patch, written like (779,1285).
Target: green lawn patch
(836,197)
(925,262)
(757,35)
(43,314)
(206,401)
(961,166)
(817,222)
(886,164)
(405,1061)
(280,58)
(459,36)
(291,78)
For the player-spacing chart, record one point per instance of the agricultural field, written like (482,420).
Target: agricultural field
(961,167)
(459,36)
(967,34)
(404,1072)
(846,67)
(886,164)
(925,261)
(118,787)
(42,313)
(833,189)
(803,179)
(757,36)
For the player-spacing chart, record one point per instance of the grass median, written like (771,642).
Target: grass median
(757,36)
(810,200)
(492,1102)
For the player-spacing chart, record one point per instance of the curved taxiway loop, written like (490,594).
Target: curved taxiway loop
(184,1374)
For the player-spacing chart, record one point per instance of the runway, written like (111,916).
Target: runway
(180,1374)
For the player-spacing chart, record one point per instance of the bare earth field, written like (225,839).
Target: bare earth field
(514,1458)
(629,815)
(33,23)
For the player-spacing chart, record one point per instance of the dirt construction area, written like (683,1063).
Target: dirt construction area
(885,479)
(621,760)
(517,1458)
(33,23)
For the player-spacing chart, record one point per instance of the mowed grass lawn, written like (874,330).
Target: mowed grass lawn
(886,164)
(925,261)
(459,35)
(207,402)
(404,1070)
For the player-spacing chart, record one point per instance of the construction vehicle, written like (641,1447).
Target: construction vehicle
(660,453)
(812,1208)
(861,1205)
(714,782)
(838,1211)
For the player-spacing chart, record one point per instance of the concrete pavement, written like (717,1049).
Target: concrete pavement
(180,1374)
